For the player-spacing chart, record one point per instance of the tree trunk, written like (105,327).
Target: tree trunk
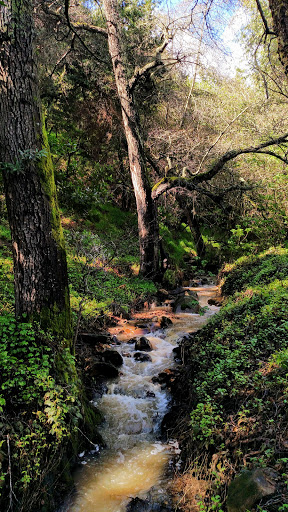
(196,232)
(146,209)
(279,11)
(40,269)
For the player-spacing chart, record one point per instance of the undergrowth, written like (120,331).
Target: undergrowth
(39,412)
(238,378)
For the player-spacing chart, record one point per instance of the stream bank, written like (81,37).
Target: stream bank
(133,469)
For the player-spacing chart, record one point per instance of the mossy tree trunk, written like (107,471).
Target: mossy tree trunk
(279,11)
(40,268)
(146,207)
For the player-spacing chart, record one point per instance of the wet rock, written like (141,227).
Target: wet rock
(150,394)
(215,302)
(142,358)
(103,370)
(139,505)
(164,378)
(185,303)
(177,353)
(165,322)
(142,325)
(249,487)
(117,310)
(115,340)
(191,293)
(132,340)
(112,357)
(94,338)
(171,419)
(143,344)
(177,291)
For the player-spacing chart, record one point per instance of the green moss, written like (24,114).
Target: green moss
(58,321)
(46,172)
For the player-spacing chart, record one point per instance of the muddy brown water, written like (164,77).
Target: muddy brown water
(135,460)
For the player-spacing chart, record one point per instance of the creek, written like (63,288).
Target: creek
(135,460)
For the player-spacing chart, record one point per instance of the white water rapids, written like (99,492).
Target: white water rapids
(135,460)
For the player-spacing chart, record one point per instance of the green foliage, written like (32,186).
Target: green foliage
(39,400)
(255,270)
(97,282)
(238,368)
(28,155)
(6,270)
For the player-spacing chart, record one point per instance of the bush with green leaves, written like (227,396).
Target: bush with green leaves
(39,404)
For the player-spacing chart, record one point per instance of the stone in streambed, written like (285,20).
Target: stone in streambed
(165,322)
(186,302)
(103,370)
(131,341)
(112,357)
(143,344)
(93,339)
(139,505)
(249,487)
(142,358)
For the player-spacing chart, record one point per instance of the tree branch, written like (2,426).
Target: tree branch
(265,22)
(74,25)
(191,183)
(155,63)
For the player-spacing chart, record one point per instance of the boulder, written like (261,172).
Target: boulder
(191,293)
(249,487)
(171,419)
(164,378)
(142,358)
(185,303)
(143,344)
(113,357)
(132,340)
(139,505)
(103,370)
(177,353)
(117,310)
(214,302)
(165,322)
(94,338)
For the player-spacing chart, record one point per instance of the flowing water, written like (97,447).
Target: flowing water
(135,460)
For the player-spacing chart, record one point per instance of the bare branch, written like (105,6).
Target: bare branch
(63,57)
(265,22)
(74,25)
(219,137)
(191,183)
(155,63)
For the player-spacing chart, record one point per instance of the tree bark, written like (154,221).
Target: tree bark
(40,269)
(279,11)
(146,208)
